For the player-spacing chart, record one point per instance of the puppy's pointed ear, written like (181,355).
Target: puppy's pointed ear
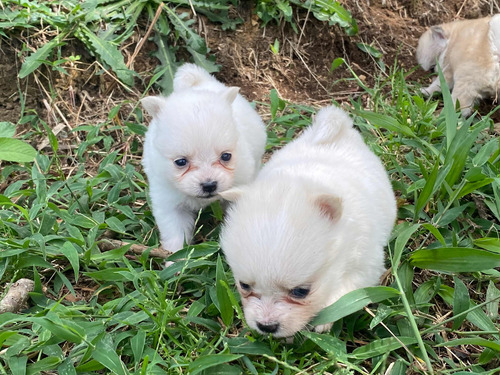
(152,104)
(233,194)
(230,94)
(438,33)
(329,206)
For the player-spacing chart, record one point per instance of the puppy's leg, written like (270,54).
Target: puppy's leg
(176,227)
(466,96)
(432,88)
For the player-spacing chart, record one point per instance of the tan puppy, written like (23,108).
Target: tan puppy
(468,52)
(310,228)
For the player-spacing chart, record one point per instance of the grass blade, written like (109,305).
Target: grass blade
(455,259)
(382,346)
(352,302)
(461,302)
(211,360)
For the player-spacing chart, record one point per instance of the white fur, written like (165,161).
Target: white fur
(318,216)
(468,54)
(199,121)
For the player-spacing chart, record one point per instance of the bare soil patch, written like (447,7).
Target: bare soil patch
(300,72)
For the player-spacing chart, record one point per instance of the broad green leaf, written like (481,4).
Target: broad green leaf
(329,343)
(352,302)
(116,225)
(17,364)
(470,187)
(43,365)
(167,59)
(336,63)
(488,243)
(7,129)
(485,152)
(111,56)
(107,356)
(450,114)
(207,361)
(66,368)
(492,294)
(400,244)
(34,60)
(242,345)
(137,343)
(428,190)
(382,346)
(61,329)
(386,122)
(370,50)
(461,302)
(495,345)
(15,150)
(431,228)
(455,259)
(224,305)
(70,252)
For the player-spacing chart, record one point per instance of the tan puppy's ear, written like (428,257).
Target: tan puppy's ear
(438,32)
(152,104)
(329,206)
(233,194)
(230,94)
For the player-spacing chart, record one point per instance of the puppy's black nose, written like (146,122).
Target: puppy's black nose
(268,327)
(209,187)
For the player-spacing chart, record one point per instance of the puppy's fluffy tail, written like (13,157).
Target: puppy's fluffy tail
(329,125)
(190,75)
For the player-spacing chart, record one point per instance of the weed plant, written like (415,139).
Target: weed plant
(115,312)
(97,311)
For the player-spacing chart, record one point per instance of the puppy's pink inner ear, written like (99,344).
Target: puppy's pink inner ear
(330,207)
(231,94)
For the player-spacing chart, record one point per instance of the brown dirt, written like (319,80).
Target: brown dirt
(300,72)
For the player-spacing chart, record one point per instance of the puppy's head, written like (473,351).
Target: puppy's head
(279,240)
(431,45)
(196,139)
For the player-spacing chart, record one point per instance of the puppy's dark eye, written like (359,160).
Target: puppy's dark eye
(245,287)
(299,292)
(226,156)
(182,162)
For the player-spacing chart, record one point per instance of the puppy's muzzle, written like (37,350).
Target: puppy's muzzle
(268,327)
(209,187)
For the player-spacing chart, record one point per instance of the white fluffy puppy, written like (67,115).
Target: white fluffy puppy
(310,228)
(203,139)
(468,52)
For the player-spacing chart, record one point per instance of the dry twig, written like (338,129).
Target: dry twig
(17,296)
(158,252)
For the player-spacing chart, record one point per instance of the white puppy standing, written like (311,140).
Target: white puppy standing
(468,53)
(310,228)
(203,139)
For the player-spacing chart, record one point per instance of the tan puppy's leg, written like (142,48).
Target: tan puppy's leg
(466,97)
(432,88)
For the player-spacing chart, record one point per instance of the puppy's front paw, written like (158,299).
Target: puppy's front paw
(426,91)
(323,327)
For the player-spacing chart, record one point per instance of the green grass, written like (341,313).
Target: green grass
(115,312)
